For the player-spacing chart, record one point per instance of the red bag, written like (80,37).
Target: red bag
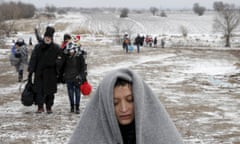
(85,88)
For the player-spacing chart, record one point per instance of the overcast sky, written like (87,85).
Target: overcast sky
(163,4)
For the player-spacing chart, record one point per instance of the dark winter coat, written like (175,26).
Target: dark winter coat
(138,40)
(155,41)
(45,63)
(74,68)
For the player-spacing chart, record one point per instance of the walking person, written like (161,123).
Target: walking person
(138,42)
(162,43)
(66,39)
(74,74)
(45,62)
(126,42)
(155,41)
(124,110)
(19,57)
(150,41)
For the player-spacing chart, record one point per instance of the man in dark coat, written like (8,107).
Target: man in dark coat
(138,42)
(45,62)
(155,41)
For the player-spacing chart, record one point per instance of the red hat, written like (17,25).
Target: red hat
(78,37)
(85,88)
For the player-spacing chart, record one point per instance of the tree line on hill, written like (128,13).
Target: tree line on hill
(227,18)
(12,11)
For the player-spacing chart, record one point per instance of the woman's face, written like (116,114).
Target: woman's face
(124,104)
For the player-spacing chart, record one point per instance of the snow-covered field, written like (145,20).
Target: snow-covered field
(198,82)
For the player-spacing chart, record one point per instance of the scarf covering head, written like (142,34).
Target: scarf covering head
(98,123)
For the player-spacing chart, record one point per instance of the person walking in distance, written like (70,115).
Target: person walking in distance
(155,41)
(126,42)
(138,42)
(162,43)
(19,57)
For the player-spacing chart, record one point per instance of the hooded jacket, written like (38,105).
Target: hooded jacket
(22,58)
(99,125)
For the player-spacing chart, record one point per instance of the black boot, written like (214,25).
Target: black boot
(49,109)
(40,109)
(72,109)
(77,109)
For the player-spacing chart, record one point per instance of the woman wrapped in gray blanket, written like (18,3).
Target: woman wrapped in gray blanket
(124,110)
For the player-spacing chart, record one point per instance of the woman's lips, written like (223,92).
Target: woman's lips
(124,117)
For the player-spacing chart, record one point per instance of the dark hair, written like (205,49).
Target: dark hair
(66,37)
(122,82)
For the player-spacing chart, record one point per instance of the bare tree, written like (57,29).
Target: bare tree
(163,14)
(11,11)
(184,31)
(50,9)
(198,9)
(2,25)
(117,31)
(153,10)
(226,21)
(120,27)
(124,13)
(218,6)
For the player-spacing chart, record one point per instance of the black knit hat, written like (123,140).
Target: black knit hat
(49,31)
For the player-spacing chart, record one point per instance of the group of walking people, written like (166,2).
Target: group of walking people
(122,110)
(50,64)
(127,45)
(139,41)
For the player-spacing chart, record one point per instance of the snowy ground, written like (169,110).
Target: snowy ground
(200,89)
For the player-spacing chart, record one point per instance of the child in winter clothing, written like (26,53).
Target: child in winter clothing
(19,57)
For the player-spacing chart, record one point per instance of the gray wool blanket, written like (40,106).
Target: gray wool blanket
(98,123)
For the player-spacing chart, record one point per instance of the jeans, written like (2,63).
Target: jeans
(73,90)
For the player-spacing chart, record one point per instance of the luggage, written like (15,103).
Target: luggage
(28,95)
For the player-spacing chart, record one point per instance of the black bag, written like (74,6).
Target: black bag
(28,95)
